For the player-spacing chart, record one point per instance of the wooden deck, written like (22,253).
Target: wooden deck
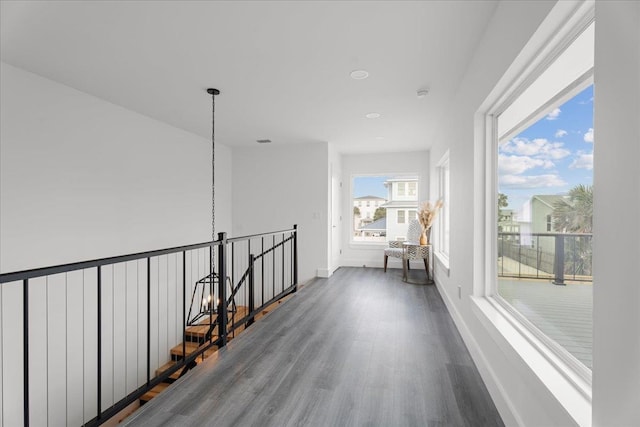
(563,313)
(359,348)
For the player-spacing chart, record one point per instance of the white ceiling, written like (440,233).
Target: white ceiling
(282,66)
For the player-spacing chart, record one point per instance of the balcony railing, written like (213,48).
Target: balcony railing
(557,256)
(82,341)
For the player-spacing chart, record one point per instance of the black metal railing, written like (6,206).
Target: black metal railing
(556,256)
(85,340)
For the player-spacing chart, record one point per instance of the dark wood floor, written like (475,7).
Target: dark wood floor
(362,348)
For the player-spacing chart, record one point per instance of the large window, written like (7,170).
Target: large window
(383,206)
(544,198)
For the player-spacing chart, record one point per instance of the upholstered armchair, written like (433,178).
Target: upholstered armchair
(409,249)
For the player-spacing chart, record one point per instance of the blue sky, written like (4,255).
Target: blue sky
(552,155)
(369,186)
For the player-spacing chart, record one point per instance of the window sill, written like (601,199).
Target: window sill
(368,245)
(566,386)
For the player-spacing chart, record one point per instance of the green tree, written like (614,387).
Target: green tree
(379,213)
(356,211)
(503,201)
(575,215)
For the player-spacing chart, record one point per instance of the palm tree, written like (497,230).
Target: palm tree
(575,214)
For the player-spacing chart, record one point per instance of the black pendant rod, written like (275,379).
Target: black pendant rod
(213,92)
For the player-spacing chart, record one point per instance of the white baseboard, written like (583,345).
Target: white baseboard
(324,272)
(500,398)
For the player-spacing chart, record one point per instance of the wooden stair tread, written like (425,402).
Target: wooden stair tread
(167,366)
(202,328)
(190,348)
(199,332)
(154,392)
(241,311)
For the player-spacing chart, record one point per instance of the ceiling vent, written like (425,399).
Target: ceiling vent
(263,141)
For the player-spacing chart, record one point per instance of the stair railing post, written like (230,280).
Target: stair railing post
(252,281)
(184,304)
(222,289)
(149,321)
(295,257)
(99,342)
(559,261)
(25,348)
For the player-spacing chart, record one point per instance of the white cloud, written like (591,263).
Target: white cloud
(582,161)
(531,181)
(519,164)
(588,137)
(539,148)
(554,114)
(560,133)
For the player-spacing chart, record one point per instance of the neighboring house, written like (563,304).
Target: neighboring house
(367,206)
(402,206)
(375,231)
(536,216)
(507,221)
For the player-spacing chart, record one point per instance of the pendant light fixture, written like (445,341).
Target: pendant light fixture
(202,304)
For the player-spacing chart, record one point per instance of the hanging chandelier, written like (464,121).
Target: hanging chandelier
(202,304)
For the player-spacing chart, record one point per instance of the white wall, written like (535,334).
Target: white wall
(616,246)
(277,186)
(224,190)
(371,255)
(81,178)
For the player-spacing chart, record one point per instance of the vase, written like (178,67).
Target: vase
(423,238)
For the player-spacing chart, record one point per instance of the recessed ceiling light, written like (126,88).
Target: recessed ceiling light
(359,74)
(372,115)
(263,141)
(422,93)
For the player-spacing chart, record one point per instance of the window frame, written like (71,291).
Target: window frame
(402,193)
(491,141)
(443,220)
(412,189)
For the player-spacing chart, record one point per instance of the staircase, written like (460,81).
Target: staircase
(196,336)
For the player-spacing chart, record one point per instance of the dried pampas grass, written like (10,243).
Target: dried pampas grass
(427,214)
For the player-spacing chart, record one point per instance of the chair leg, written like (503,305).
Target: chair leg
(386,257)
(426,268)
(408,265)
